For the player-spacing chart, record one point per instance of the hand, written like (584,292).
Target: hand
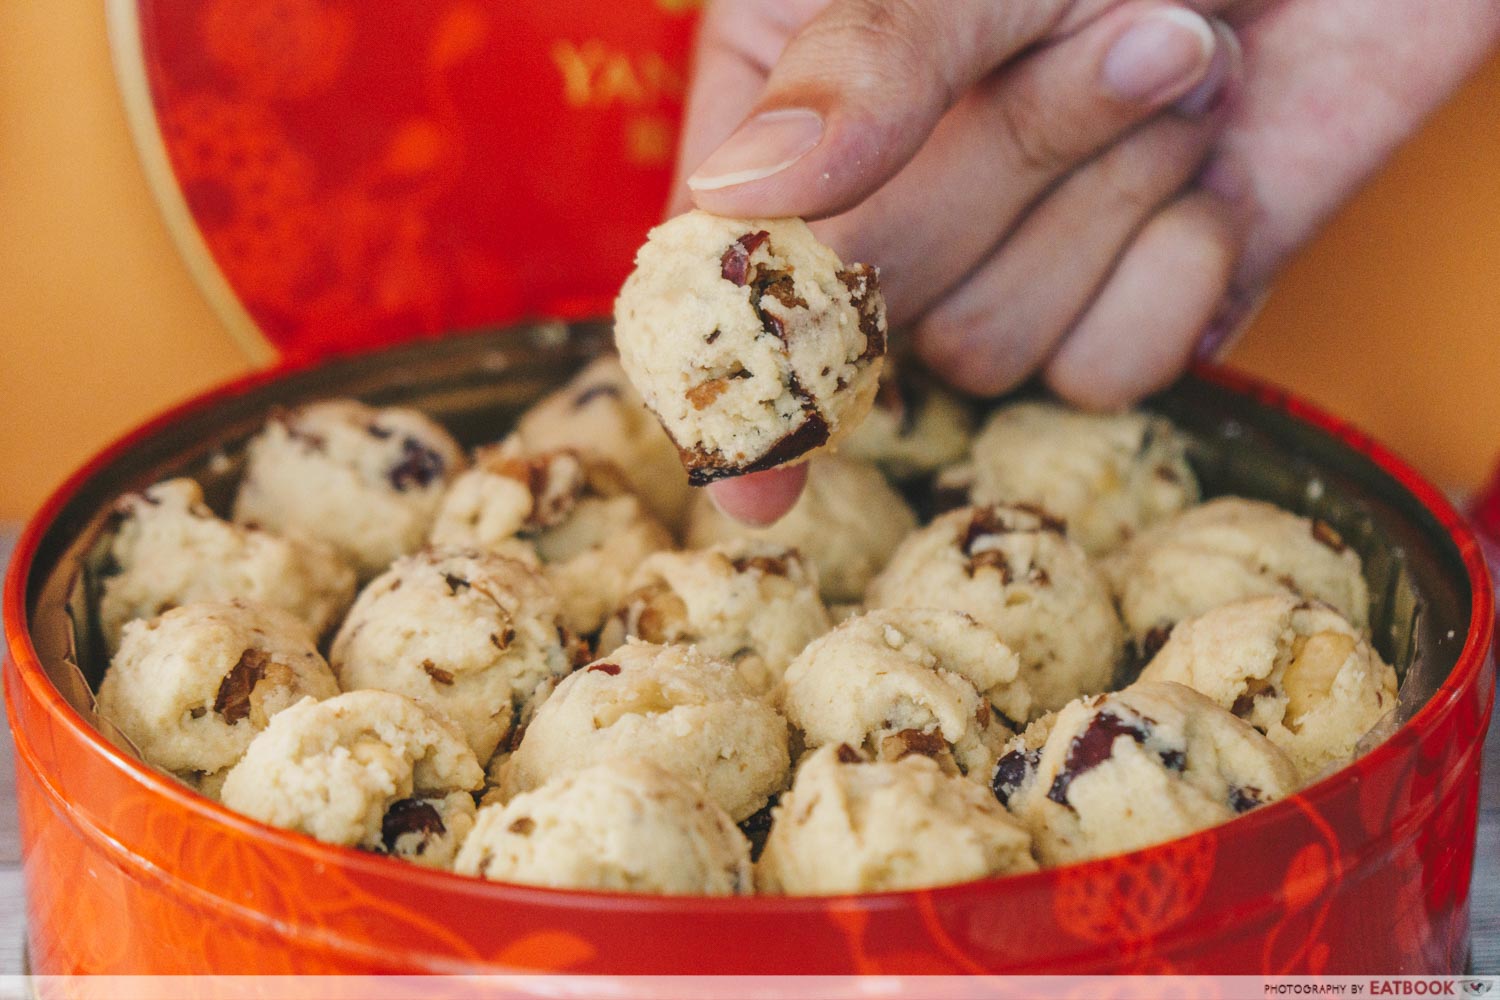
(913,131)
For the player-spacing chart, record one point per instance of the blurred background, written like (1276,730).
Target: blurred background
(1389,319)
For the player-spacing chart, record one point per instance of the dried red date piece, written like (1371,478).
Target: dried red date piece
(410,816)
(1012,771)
(734,264)
(1242,800)
(863,283)
(233,699)
(1096,744)
(613,669)
(419,467)
(1254,688)
(848,755)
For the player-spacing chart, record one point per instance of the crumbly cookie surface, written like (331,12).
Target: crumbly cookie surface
(1107,476)
(599,413)
(848,522)
(910,681)
(368,769)
(750,341)
(754,604)
(672,705)
(851,825)
(916,426)
(624,825)
(1117,772)
(1012,569)
(365,480)
(193,687)
(1227,550)
(576,512)
(1295,670)
(475,635)
(168,549)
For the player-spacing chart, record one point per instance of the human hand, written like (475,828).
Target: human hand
(974,176)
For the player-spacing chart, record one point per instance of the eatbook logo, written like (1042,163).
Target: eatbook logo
(1477,987)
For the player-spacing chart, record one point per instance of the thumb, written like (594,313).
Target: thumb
(853,97)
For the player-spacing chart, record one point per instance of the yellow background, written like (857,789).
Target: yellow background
(1388,319)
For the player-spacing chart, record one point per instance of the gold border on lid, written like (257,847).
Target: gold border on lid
(129,58)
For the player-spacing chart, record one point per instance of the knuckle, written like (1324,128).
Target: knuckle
(1026,128)
(880,48)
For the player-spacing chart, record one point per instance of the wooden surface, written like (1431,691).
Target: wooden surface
(1486,897)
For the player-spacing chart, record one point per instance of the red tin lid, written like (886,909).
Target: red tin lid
(343,175)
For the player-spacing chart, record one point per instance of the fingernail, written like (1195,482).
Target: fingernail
(1222,71)
(1159,57)
(1234,317)
(766,144)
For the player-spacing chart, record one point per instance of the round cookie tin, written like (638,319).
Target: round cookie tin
(1367,871)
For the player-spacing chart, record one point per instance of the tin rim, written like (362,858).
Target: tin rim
(1465,671)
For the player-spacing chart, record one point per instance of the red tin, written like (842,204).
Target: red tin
(345,176)
(1367,871)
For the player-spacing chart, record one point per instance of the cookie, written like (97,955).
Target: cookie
(168,549)
(749,340)
(623,825)
(599,413)
(1295,670)
(575,511)
(848,522)
(915,428)
(906,680)
(1122,771)
(476,636)
(1107,476)
(194,686)
(848,826)
(1227,550)
(1012,569)
(754,604)
(366,481)
(690,713)
(367,769)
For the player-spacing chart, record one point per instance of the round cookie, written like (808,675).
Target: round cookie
(1012,568)
(916,427)
(576,513)
(1107,476)
(754,604)
(477,636)
(622,825)
(749,340)
(1122,771)
(366,481)
(1295,670)
(1227,550)
(193,687)
(850,826)
(848,522)
(600,413)
(168,549)
(366,769)
(672,705)
(909,680)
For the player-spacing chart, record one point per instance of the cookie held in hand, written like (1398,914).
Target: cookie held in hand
(750,341)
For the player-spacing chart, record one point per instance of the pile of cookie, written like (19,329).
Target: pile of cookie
(552,661)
